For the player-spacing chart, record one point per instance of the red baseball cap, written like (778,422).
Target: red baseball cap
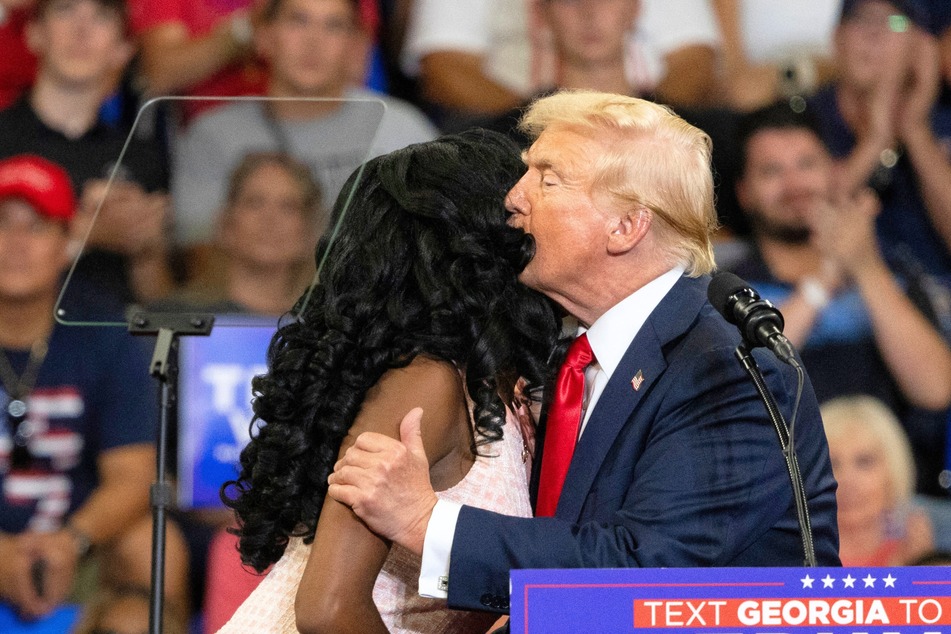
(43,184)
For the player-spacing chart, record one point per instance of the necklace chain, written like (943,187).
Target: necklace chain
(18,387)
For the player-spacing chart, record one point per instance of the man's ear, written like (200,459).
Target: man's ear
(359,58)
(74,236)
(35,38)
(122,53)
(838,41)
(224,228)
(635,14)
(742,194)
(628,229)
(264,41)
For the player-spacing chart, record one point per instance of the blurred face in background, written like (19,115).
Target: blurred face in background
(590,32)
(874,37)
(33,252)
(314,47)
(267,224)
(865,490)
(788,174)
(80,42)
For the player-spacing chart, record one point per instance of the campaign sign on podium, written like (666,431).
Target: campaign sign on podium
(912,600)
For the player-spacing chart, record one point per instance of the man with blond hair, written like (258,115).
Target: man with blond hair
(669,458)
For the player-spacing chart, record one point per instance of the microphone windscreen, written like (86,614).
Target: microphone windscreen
(723,286)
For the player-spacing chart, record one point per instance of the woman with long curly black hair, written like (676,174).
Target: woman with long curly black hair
(417,305)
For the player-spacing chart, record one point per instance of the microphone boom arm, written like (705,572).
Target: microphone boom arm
(786,442)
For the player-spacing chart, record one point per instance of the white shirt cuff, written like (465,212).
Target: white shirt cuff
(437,545)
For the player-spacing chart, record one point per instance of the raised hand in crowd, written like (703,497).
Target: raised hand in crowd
(843,231)
(133,222)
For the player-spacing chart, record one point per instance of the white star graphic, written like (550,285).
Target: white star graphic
(889,581)
(849,581)
(807,581)
(827,581)
(869,581)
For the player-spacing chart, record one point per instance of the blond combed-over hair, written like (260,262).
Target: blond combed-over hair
(654,159)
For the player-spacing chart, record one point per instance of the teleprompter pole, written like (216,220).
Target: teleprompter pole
(167,327)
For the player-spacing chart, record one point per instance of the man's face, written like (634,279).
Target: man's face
(312,46)
(591,32)
(266,225)
(33,252)
(556,202)
(80,41)
(788,175)
(872,38)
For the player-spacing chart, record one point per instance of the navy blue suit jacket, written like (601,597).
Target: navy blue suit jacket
(684,471)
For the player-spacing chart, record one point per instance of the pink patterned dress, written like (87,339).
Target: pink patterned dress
(497,481)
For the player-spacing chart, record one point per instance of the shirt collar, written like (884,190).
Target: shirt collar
(611,335)
(98,128)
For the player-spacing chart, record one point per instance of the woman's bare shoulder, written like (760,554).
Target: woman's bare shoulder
(434,385)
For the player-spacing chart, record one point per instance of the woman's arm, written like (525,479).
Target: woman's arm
(335,593)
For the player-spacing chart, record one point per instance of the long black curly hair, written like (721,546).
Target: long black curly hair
(420,262)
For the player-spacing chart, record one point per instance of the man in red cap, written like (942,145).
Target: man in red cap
(77,412)
(40,183)
(36,206)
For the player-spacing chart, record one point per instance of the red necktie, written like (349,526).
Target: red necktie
(564,419)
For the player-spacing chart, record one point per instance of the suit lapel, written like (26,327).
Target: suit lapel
(672,317)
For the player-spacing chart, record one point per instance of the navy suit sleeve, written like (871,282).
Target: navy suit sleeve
(695,477)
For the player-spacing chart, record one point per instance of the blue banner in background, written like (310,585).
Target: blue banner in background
(913,600)
(214,408)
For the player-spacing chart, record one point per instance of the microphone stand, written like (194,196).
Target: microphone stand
(786,442)
(167,327)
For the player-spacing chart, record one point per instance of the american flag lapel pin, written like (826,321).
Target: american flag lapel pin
(637,380)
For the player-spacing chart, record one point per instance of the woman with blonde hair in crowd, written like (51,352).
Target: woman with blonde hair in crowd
(873,464)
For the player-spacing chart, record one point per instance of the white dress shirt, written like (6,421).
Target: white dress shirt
(610,337)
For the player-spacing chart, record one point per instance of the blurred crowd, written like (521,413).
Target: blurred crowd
(187,155)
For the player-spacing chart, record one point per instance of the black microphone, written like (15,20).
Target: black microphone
(760,323)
